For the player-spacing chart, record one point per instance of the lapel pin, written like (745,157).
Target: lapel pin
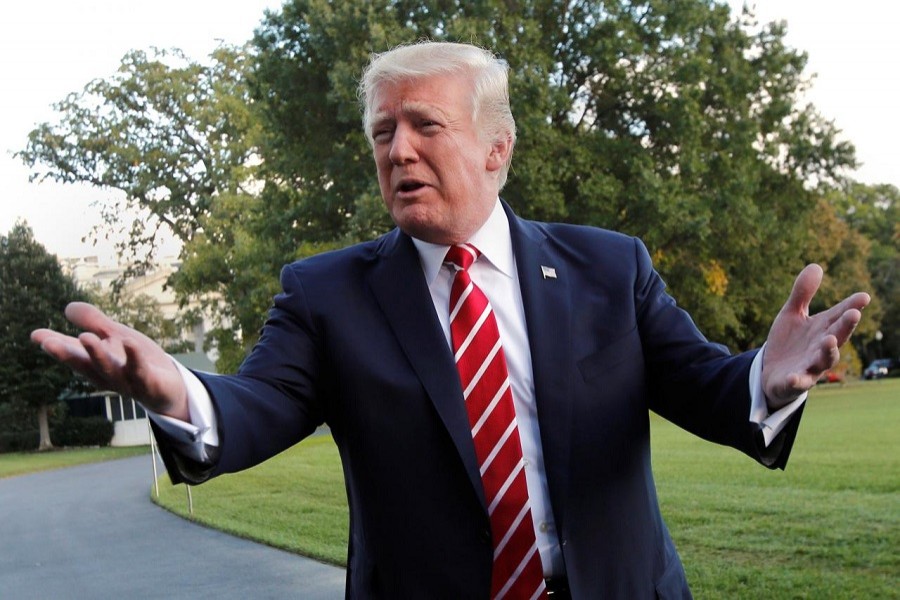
(548,272)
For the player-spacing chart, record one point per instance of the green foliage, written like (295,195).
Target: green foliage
(872,212)
(232,269)
(19,429)
(167,133)
(178,140)
(19,441)
(16,416)
(33,294)
(69,432)
(84,431)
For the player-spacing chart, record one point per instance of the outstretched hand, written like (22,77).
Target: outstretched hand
(800,346)
(115,357)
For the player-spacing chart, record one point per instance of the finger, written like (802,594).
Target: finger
(859,300)
(845,325)
(828,355)
(793,385)
(66,350)
(133,367)
(90,318)
(805,287)
(61,347)
(855,303)
(106,359)
(39,336)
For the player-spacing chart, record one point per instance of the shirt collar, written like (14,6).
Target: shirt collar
(492,239)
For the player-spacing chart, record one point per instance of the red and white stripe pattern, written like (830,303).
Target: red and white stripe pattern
(517,571)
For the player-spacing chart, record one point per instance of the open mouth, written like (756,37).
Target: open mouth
(410,186)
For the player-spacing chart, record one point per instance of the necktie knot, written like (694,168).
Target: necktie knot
(461,256)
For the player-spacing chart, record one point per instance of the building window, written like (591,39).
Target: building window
(123,409)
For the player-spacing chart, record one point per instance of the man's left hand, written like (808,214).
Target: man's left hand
(800,346)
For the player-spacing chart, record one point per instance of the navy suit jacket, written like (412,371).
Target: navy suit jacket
(353,341)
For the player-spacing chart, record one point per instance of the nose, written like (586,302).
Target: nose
(403,149)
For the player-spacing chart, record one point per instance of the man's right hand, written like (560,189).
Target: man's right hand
(118,358)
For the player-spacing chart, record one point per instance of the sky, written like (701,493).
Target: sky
(51,48)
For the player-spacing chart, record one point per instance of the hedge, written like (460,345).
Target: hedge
(83,431)
(71,432)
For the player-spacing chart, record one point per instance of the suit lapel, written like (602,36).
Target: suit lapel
(546,296)
(398,284)
(546,301)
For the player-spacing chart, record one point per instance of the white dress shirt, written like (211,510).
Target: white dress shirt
(496,274)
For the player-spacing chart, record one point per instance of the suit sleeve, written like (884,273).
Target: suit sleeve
(272,403)
(696,384)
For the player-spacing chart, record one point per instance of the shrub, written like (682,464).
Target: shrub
(18,427)
(19,441)
(83,431)
(16,417)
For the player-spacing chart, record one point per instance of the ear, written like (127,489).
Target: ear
(499,153)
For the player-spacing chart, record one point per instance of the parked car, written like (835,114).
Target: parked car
(879,368)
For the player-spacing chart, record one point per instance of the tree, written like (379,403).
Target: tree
(166,133)
(872,212)
(177,139)
(33,293)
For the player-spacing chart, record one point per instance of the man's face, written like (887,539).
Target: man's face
(438,176)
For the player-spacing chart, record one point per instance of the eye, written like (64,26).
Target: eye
(429,126)
(380,136)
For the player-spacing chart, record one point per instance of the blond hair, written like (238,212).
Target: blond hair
(491,111)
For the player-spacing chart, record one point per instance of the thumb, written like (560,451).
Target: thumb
(805,287)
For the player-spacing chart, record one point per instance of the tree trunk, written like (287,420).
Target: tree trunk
(44,426)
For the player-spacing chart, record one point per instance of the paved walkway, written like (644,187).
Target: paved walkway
(91,532)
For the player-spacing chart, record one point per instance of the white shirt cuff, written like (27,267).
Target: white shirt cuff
(771,424)
(203,429)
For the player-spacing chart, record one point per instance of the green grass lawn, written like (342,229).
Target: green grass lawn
(21,463)
(827,527)
(295,501)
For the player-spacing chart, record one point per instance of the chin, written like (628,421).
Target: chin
(426,234)
(417,222)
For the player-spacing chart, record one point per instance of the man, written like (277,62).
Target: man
(377,341)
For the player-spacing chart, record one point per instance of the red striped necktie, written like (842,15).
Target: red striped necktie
(517,571)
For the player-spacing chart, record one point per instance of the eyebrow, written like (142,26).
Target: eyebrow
(411,108)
